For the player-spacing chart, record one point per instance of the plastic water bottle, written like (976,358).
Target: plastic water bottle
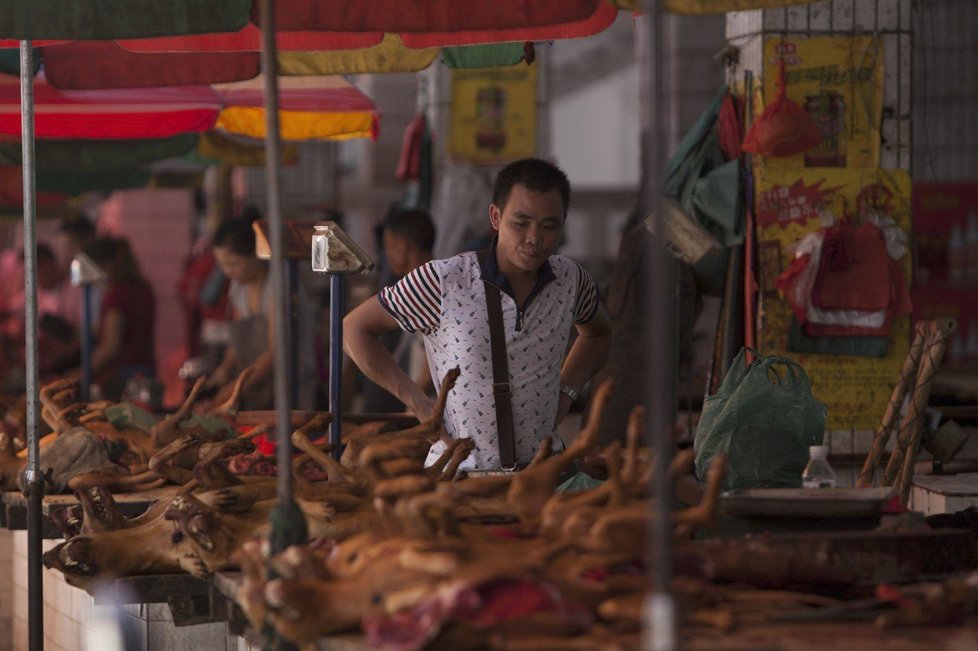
(818,473)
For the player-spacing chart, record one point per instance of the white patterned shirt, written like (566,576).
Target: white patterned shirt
(445,301)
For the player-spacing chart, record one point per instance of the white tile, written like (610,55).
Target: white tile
(797,18)
(775,20)
(842,15)
(865,15)
(820,15)
(888,16)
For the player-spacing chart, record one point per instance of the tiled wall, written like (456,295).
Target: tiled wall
(6,596)
(72,620)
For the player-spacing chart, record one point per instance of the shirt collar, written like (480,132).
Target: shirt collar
(489,267)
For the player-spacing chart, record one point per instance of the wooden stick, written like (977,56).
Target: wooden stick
(913,420)
(907,376)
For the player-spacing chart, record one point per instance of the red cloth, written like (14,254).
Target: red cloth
(899,305)
(138,307)
(409,164)
(729,129)
(853,272)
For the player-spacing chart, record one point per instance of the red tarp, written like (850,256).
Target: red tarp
(113,113)
(105,64)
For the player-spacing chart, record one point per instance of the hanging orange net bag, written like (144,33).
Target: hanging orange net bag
(783,128)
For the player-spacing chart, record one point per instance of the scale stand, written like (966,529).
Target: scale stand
(86,274)
(336,255)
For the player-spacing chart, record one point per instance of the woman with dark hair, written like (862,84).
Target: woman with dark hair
(125,346)
(252,343)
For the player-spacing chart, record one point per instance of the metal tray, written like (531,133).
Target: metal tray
(806,502)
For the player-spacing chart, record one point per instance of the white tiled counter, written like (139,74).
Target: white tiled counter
(944,493)
(71,615)
(6,596)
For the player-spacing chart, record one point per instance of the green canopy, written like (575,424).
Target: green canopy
(91,181)
(107,19)
(10,60)
(95,155)
(483,56)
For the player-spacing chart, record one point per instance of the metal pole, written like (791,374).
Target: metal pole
(272,181)
(34,480)
(293,309)
(86,343)
(336,362)
(660,313)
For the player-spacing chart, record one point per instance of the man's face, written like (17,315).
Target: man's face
(48,274)
(529,226)
(396,251)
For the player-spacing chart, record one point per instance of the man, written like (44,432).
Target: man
(543,296)
(407,237)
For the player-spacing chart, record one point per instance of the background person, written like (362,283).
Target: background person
(125,345)
(543,297)
(252,340)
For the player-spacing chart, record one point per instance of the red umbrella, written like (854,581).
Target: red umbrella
(105,64)
(583,18)
(110,113)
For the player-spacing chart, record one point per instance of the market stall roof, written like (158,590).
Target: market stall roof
(109,113)
(107,19)
(309,108)
(105,64)
(573,24)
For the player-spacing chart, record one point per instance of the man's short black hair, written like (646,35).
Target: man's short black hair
(43,253)
(533,173)
(77,227)
(415,225)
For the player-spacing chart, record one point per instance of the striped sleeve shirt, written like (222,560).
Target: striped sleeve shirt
(587,297)
(415,300)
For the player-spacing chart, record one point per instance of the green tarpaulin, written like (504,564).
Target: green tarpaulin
(105,19)
(95,155)
(483,56)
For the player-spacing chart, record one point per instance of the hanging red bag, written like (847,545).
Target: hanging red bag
(783,128)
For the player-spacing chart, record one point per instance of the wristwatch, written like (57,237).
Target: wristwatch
(569,392)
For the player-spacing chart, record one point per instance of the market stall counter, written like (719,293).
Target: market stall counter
(14,511)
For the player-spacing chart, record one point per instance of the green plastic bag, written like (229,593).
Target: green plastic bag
(763,417)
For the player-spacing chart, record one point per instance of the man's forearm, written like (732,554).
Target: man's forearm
(586,357)
(376,362)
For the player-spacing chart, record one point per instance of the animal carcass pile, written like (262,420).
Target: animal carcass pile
(87,448)
(402,552)
(410,557)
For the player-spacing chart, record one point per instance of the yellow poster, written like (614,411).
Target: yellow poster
(791,203)
(493,114)
(838,80)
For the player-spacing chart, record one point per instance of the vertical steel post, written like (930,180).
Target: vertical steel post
(86,342)
(660,314)
(34,480)
(336,362)
(277,277)
(293,309)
